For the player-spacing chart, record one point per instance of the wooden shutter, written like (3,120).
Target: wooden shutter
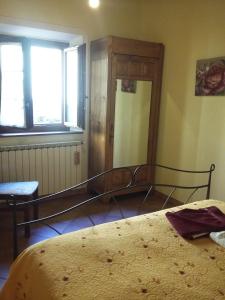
(81,86)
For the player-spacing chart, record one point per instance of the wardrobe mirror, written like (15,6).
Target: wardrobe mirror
(131,127)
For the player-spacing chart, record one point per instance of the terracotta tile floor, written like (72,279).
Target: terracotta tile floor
(100,212)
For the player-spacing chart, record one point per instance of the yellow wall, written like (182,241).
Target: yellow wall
(131,125)
(192,129)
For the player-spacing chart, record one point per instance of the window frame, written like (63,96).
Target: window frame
(26,44)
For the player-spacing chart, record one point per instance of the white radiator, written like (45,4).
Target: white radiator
(55,165)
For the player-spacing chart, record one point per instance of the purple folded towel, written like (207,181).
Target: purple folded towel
(193,223)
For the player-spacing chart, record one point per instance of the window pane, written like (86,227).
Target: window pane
(71,86)
(46,73)
(12,98)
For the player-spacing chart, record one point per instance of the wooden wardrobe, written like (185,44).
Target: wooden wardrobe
(125,84)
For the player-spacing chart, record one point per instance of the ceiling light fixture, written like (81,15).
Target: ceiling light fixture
(94,3)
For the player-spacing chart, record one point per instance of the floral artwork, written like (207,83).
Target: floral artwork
(210,77)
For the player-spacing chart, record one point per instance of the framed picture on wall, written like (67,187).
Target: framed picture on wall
(210,77)
(128,86)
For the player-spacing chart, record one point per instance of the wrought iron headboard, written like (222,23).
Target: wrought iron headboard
(132,184)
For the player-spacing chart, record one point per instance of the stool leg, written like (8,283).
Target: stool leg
(35,206)
(15,237)
(27,219)
(36,211)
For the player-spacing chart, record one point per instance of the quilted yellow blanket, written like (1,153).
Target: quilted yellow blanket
(137,258)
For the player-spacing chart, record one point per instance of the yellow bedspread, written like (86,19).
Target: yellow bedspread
(137,258)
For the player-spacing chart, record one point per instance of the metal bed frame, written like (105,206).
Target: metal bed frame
(132,184)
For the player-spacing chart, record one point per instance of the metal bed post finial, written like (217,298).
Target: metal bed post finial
(212,168)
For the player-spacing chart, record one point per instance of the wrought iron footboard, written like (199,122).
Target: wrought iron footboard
(128,187)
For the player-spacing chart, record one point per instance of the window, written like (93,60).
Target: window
(42,85)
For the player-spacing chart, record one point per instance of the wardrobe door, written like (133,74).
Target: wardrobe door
(131,104)
(98,111)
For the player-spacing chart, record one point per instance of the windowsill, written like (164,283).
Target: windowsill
(76,131)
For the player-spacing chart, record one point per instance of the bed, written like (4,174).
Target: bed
(140,257)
